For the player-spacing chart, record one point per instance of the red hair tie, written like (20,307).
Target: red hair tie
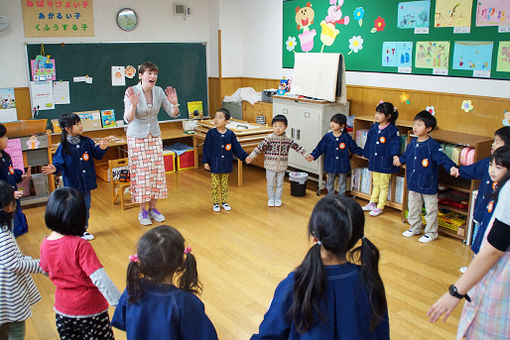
(187,250)
(133,258)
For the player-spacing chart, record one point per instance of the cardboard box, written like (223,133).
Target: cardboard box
(169,159)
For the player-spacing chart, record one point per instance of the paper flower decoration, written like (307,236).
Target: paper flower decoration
(379,25)
(328,34)
(404,98)
(358,14)
(466,106)
(355,44)
(291,43)
(431,110)
(506,120)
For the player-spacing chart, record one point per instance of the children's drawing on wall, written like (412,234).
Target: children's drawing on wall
(43,68)
(358,15)
(397,54)
(7,105)
(493,13)
(413,14)
(432,54)
(379,25)
(304,18)
(355,44)
(503,57)
(472,55)
(129,72)
(453,13)
(118,77)
(328,25)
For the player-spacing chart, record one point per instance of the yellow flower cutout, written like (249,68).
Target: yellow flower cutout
(404,98)
(467,106)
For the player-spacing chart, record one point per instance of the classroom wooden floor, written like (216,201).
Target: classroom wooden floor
(244,253)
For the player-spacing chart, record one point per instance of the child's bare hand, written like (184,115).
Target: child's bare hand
(18,194)
(27,174)
(454,171)
(248,160)
(207,167)
(103,144)
(309,158)
(396,161)
(48,169)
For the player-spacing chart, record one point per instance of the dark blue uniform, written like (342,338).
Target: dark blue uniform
(380,147)
(219,150)
(336,152)
(479,170)
(13,177)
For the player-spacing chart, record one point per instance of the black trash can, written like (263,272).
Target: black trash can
(298,183)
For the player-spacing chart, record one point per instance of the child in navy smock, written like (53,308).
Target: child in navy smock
(151,307)
(382,148)
(347,301)
(13,177)
(335,146)
(74,159)
(220,146)
(423,157)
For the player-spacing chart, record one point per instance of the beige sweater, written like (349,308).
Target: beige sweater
(276,149)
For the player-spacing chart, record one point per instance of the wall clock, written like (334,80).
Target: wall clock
(127,19)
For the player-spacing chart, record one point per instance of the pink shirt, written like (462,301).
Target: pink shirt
(69,261)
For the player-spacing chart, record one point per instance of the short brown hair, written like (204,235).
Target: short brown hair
(148,66)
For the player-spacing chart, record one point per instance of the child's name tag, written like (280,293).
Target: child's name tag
(482,74)
(421,30)
(460,30)
(440,71)
(504,29)
(404,69)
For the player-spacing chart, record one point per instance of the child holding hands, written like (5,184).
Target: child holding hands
(382,148)
(335,146)
(152,307)
(423,157)
(219,147)
(276,149)
(74,159)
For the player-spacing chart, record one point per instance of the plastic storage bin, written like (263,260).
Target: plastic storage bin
(40,184)
(298,183)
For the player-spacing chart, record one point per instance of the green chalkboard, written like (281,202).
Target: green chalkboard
(370,57)
(181,65)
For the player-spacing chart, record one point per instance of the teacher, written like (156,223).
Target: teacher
(142,103)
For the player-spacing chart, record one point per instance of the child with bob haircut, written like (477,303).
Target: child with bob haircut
(276,149)
(336,292)
(382,148)
(335,146)
(151,306)
(219,147)
(17,289)
(423,156)
(74,159)
(83,289)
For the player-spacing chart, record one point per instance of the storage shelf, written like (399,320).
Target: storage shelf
(457,210)
(450,232)
(457,188)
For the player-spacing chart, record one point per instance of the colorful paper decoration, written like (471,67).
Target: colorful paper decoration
(355,44)
(291,43)
(506,119)
(413,14)
(379,25)
(503,57)
(397,54)
(453,13)
(432,54)
(431,110)
(472,55)
(467,106)
(328,34)
(493,13)
(404,98)
(358,15)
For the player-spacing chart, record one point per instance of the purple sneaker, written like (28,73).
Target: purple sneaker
(156,215)
(143,217)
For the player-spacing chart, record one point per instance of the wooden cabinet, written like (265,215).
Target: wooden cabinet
(250,112)
(309,121)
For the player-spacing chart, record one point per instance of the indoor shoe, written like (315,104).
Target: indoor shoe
(226,206)
(409,233)
(216,207)
(277,203)
(156,215)
(143,217)
(369,207)
(270,203)
(376,212)
(88,236)
(427,239)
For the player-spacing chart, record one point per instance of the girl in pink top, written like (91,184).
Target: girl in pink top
(83,289)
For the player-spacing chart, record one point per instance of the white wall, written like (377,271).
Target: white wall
(156,23)
(232,40)
(262,58)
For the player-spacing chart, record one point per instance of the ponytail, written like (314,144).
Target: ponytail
(368,255)
(309,287)
(64,142)
(188,280)
(134,282)
(67,120)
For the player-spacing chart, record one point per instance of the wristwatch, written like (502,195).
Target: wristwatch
(454,292)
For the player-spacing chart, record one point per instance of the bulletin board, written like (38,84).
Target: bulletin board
(465,38)
(181,65)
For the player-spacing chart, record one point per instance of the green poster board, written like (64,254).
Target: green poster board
(379,28)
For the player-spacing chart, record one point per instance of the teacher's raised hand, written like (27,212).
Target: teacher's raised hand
(132,96)
(171,95)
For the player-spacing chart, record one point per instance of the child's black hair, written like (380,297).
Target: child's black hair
(427,118)
(501,156)
(388,110)
(339,119)
(225,112)
(147,66)
(338,223)
(280,118)
(503,133)
(67,120)
(3,131)
(6,198)
(66,212)
(161,256)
